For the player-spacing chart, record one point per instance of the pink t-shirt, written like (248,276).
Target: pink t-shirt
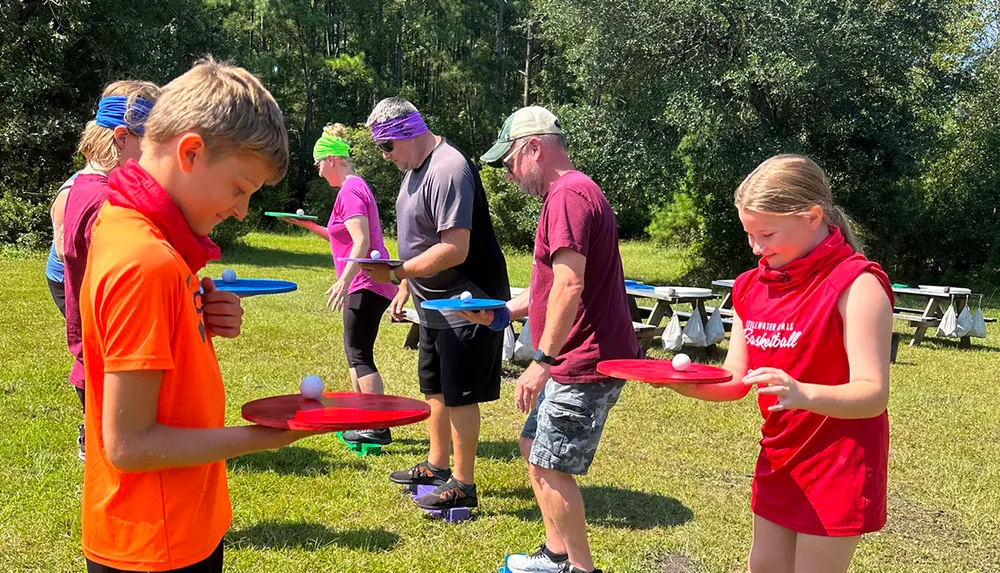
(355,199)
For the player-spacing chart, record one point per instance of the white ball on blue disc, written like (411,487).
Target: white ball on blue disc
(300,212)
(311,387)
(466,296)
(376,255)
(681,362)
(228,276)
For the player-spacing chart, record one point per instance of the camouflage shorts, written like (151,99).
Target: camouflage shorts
(567,423)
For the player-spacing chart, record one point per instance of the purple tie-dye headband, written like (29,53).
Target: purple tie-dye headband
(404,127)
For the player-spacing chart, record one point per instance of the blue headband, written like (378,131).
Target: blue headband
(111,113)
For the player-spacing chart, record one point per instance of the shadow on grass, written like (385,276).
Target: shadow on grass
(290,460)
(500,450)
(310,536)
(616,507)
(267,257)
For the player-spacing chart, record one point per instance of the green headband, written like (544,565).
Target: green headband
(328,145)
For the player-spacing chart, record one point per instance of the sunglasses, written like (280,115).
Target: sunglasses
(509,161)
(385,146)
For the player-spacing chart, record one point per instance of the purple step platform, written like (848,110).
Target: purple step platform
(453,515)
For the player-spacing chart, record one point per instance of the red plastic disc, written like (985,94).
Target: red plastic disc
(663,372)
(336,411)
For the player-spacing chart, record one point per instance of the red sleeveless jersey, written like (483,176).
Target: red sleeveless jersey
(815,474)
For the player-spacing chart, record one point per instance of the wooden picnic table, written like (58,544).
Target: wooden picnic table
(663,307)
(919,319)
(932,313)
(727,299)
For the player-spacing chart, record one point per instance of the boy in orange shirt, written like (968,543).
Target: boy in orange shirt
(155,496)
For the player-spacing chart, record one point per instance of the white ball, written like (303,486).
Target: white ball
(466,296)
(311,387)
(229,276)
(300,212)
(681,362)
(376,255)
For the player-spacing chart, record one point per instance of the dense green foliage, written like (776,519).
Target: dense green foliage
(896,99)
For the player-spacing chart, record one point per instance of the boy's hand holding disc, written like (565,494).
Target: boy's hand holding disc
(221,310)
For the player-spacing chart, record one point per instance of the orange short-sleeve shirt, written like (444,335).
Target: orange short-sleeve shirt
(140,306)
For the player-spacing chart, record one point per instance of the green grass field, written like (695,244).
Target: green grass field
(669,491)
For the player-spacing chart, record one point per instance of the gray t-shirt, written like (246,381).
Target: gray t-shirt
(446,193)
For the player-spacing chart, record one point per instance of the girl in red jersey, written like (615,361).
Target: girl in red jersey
(811,332)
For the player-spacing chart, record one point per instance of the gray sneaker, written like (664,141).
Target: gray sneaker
(537,562)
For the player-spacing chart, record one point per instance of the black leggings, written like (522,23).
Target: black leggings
(58,292)
(212,564)
(363,311)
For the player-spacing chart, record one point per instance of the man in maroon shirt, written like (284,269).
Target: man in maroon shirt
(579,316)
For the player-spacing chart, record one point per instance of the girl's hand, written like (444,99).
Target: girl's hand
(789,391)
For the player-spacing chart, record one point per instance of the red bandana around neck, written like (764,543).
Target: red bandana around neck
(132,187)
(826,255)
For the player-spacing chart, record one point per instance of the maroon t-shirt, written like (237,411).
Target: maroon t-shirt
(576,215)
(85,198)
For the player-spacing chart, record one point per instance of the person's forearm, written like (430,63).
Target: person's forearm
(564,303)
(518,306)
(163,446)
(440,257)
(858,399)
(735,389)
(321,231)
(358,251)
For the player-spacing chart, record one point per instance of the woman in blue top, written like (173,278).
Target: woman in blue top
(54,264)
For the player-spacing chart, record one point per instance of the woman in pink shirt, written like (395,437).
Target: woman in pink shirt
(353,231)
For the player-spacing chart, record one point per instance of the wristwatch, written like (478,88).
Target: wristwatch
(392,276)
(543,358)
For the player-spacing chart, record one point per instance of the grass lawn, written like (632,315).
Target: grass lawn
(669,491)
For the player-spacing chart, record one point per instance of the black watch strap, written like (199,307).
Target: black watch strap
(543,358)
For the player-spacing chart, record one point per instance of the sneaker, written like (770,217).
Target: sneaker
(80,453)
(448,495)
(420,474)
(567,568)
(540,561)
(381,437)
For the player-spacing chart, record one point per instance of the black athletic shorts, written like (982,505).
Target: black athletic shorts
(58,292)
(363,311)
(212,564)
(462,363)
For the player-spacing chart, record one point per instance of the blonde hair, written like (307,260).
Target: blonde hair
(229,108)
(338,130)
(97,144)
(791,185)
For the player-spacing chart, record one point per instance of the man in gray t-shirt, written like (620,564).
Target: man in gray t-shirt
(446,237)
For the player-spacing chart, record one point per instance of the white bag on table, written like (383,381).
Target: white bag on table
(509,340)
(715,331)
(523,350)
(694,330)
(963,324)
(949,323)
(673,338)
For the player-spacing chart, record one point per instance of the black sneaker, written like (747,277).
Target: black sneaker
(381,437)
(80,453)
(448,495)
(420,474)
